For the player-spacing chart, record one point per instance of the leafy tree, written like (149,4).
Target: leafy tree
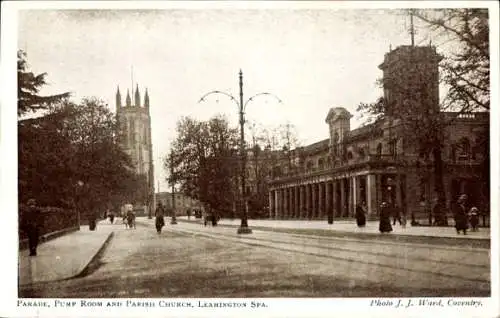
(29,86)
(75,144)
(205,162)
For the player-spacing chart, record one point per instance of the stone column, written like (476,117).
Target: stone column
(335,199)
(271,203)
(328,198)
(342,198)
(285,203)
(290,202)
(355,194)
(277,203)
(308,200)
(378,186)
(321,198)
(397,185)
(314,200)
(302,201)
(371,190)
(297,202)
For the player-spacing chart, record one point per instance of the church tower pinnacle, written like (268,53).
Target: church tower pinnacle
(118,99)
(137,99)
(128,101)
(146,99)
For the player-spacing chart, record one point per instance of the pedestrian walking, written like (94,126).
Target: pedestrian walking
(474,218)
(111,216)
(31,225)
(439,213)
(460,214)
(385,221)
(396,216)
(361,214)
(159,214)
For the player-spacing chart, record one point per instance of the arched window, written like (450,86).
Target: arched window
(453,153)
(361,153)
(277,171)
(393,150)
(379,150)
(132,131)
(321,163)
(309,165)
(464,148)
(349,155)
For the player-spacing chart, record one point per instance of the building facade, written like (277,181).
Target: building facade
(374,163)
(135,127)
(183,203)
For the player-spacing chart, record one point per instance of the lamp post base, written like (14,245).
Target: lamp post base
(244,230)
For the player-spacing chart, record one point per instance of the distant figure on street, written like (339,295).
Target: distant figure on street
(439,213)
(189,214)
(111,216)
(474,218)
(361,214)
(460,214)
(396,215)
(385,221)
(31,225)
(131,219)
(159,214)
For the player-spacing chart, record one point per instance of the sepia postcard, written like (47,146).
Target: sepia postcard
(248,158)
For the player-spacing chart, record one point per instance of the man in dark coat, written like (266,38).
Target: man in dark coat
(460,214)
(396,216)
(31,225)
(159,214)
(385,219)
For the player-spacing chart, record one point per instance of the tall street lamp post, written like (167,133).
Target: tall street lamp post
(243,229)
(174,217)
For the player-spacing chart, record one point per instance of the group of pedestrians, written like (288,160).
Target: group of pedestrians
(385,217)
(463,215)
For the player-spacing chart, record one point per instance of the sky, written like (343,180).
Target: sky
(311,59)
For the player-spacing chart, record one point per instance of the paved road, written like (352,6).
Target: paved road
(189,260)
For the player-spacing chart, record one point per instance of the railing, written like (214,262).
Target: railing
(51,220)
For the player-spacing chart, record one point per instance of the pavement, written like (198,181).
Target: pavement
(71,255)
(64,257)
(349,226)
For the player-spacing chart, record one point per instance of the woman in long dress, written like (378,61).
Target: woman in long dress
(385,219)
(460,214)
(360,215)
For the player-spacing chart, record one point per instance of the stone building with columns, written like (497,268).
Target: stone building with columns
(374,164)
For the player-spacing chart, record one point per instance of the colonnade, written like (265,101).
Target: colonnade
(317,199)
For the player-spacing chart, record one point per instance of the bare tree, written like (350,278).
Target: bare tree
(465,69)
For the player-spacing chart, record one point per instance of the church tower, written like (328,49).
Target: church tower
(411,78)
(135,127)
